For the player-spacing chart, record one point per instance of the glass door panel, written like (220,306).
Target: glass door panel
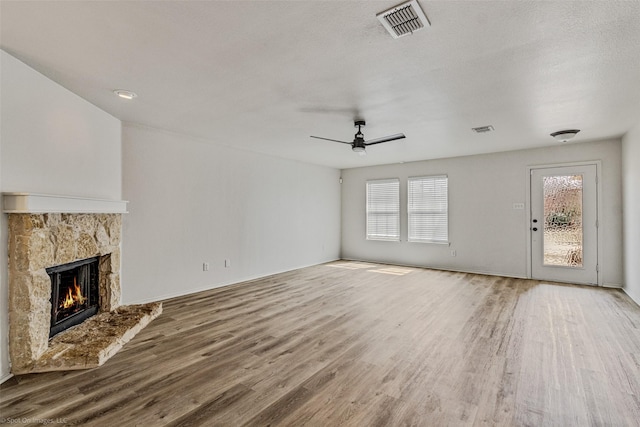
(563,220)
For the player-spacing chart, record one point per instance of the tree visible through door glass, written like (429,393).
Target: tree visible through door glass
(563,220)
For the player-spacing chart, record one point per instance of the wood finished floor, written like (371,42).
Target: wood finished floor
(360,344)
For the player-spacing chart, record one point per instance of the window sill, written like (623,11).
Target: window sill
(430,242)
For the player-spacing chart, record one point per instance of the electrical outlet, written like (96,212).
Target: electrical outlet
(227,263)
(518,206)
(205,266)
(453,252)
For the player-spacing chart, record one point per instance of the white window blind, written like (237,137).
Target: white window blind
(383,209)
(428,209)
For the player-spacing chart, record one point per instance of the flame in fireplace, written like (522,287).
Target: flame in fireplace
(73,296)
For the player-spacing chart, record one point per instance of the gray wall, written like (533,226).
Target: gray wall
(631,186)
(191,202)
(4,291)
(488,235)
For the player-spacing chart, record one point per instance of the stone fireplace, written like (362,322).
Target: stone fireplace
(39,244)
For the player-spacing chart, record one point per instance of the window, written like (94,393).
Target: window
(383,209)
(428,210)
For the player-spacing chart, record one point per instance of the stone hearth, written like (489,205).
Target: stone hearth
(94,341)
(42,240)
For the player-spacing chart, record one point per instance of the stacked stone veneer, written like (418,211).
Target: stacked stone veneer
(39,241)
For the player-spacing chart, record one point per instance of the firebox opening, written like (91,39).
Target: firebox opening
(74,293)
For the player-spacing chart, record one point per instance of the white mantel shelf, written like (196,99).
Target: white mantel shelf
(48,203)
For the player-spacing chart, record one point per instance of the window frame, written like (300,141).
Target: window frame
(377,236)
(411,210)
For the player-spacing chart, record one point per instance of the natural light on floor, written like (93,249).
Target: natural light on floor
(372,268)
(396,271)
(352,265)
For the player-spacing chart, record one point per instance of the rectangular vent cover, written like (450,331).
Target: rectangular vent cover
(403,19)
(483,129)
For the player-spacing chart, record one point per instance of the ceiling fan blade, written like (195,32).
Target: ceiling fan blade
(334,140)
(385,139)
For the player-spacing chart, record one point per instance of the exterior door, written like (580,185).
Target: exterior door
(564,224)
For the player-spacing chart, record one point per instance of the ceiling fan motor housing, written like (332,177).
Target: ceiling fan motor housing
(358,140)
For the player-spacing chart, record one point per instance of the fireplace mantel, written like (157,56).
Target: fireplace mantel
(48,203)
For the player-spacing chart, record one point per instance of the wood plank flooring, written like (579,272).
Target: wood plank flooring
(359,344)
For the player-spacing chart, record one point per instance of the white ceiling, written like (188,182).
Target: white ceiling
(265,75)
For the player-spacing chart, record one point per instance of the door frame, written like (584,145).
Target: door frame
(599,237)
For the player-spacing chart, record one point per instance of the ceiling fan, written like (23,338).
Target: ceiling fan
(359,144)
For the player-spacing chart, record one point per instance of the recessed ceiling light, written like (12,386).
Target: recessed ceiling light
(565,135)
(125,94)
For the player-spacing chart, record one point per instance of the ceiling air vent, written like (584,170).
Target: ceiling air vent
(483,129)
(403,19)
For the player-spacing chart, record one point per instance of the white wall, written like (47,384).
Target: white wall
(4,288)
(51,141)
(488,235)
(631,197)
(192,202)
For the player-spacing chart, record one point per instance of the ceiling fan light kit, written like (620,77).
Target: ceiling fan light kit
(358,144)
(565,135)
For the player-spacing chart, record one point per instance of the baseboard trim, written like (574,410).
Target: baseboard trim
(221,285)
(612,285)
(631,297)
(6,377)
